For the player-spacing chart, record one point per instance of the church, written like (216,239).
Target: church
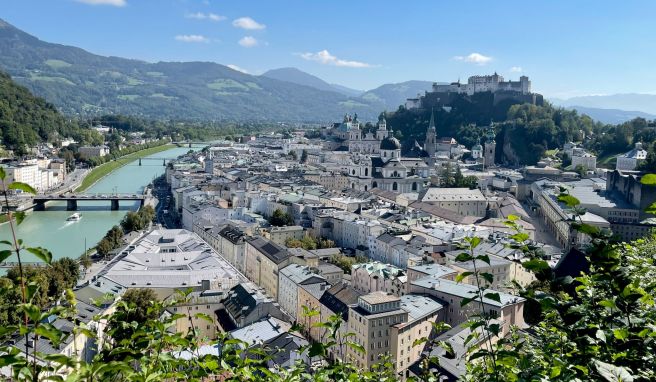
(384,167)
(357,142)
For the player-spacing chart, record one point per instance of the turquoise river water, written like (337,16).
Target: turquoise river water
(49,228)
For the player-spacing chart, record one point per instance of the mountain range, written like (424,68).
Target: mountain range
(614,108)
(85,84)
(82,83)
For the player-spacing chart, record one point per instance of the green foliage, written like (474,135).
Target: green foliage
(347,262)
(112,240)
(280,218)
(136,221)
(454,179)
(308,242)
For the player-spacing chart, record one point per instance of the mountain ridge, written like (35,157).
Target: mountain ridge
(83,83)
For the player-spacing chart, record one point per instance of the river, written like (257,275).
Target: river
(49,229)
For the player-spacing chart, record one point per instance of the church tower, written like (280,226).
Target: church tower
(430,145)
(382,132)
(354,129)
(490,147)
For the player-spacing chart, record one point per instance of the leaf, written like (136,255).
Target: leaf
(484,258)
(601,336)
(536,265)
(651,209)
(23,187)
(569,200)
(586,228)
(317,349)
(3,174)
(513,218)
(466,301)
(489,277)
(648,179)
(493,296)
(613,373)
(419,341)
(463,257)
(204,316)
(475,241)
(20,216)
(621,334)
(461,276)
(4,254)
(42,253)
(555,371)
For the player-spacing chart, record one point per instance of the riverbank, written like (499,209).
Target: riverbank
(107,168)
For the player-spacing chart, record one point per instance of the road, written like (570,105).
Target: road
(162,192)
(72,180)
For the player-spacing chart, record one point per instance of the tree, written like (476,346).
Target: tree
(304,156)
(104,247)
(280,218)
(86,262)
(139,300)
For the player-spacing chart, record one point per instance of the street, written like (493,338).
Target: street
(163,214)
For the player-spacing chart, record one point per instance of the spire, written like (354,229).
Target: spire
(431,124)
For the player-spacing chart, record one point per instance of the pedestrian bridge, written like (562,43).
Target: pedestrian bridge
(72,200)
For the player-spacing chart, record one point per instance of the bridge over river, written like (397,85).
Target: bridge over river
(72,199)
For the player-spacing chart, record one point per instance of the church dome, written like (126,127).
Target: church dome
(390,143)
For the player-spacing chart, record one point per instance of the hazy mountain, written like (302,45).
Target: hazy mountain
(393,95)
(348,91)
(611,116)
(79,82)
(645,103)
(297,76)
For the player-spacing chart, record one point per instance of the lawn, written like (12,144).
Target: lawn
(106,168)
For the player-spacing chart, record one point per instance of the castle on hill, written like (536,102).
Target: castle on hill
(443,94)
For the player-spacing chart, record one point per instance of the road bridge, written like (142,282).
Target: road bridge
(72,200)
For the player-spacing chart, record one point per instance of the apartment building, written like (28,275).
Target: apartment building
(389,325)
(264,259)
(292,277)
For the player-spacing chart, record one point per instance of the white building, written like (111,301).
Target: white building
(93,151)
(173,258)
(630,161)
(291,278)
(584,159)
(462,201)
(493,83)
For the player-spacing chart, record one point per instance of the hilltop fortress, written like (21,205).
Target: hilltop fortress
(443,95)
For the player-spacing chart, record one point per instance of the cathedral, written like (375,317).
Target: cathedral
(369,143)
(377,161)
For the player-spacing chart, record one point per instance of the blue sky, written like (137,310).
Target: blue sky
(567,48)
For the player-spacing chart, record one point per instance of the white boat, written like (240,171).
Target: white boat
(75,217)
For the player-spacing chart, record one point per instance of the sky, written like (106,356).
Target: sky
(567,48)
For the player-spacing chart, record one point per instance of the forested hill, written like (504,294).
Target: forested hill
(82,83)
(524,131)
(26,120)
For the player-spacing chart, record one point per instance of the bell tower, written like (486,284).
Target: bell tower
(430,144)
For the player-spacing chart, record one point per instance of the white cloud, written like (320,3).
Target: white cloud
(324,57)
(191,38)
(237,68)
(115,3)
(247,23)
(516,69)
(475,58)
(205,16)
(248,41)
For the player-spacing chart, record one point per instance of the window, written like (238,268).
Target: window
(395,186)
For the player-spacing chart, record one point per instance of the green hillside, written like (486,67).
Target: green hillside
(79,82)
(26,120)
